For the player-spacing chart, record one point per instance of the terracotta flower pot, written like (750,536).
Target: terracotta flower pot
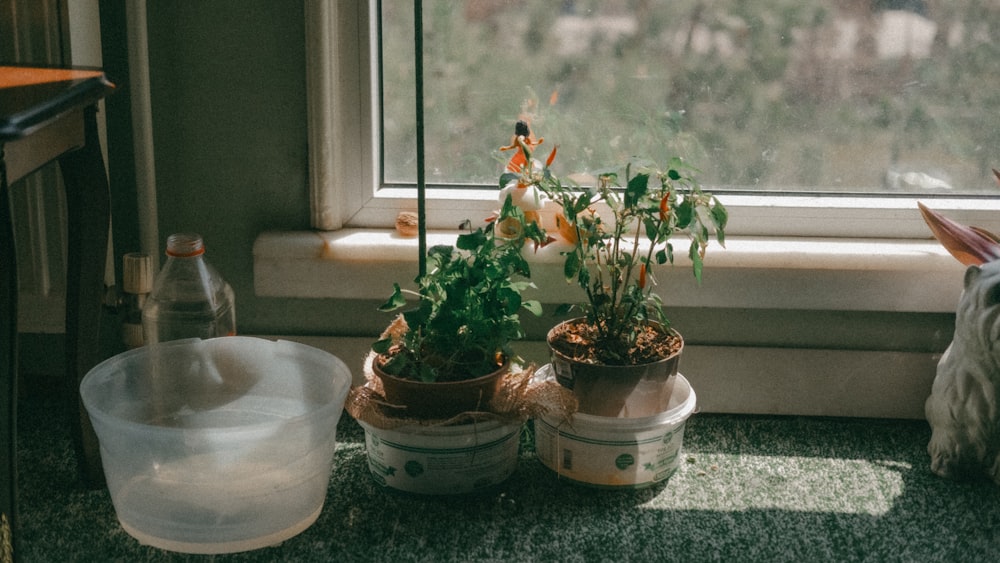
(634,391)
(439,399)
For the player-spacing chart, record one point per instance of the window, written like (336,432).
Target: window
(778,96)
(794,109)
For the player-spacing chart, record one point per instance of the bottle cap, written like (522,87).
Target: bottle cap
(185,245)
(137,275)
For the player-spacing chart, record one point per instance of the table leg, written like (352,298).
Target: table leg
(8,373)
(88,203)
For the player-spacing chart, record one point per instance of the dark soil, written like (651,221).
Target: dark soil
(579,341)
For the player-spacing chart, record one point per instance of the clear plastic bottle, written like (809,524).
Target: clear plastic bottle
(189,297)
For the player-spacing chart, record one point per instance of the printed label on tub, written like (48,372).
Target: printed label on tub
(633,459)
(428,469)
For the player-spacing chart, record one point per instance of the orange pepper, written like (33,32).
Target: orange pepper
(552,156)
(665,208)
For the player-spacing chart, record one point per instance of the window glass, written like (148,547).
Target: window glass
(854,96)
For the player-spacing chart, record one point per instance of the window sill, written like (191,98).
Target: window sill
(751,272)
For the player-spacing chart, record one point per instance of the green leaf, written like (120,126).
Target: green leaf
(395,301)
(661,256)
(637,187)
(572,265)
(581,204)
(673,174)
(512,300)
(506,178)
(533,306)
(719,214)
(583,278)
(685,214)
(720,217)
(471,241)
(564,309)
(382,346)
(696,261)
(650,224)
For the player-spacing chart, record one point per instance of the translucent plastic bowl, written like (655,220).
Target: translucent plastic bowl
(217,446)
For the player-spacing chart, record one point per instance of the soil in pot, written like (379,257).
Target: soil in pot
(578,341)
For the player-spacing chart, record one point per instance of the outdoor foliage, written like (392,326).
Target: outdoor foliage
(769,95)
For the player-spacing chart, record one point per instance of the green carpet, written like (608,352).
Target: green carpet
(749,489)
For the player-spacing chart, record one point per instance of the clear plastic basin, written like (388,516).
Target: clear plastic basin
(220,445)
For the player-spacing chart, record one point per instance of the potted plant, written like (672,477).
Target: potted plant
(445,355)
(623,337)
(433,428)
(620,356)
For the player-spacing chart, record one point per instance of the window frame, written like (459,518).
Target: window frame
(342,90)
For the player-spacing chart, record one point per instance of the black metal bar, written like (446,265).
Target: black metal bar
(418,41)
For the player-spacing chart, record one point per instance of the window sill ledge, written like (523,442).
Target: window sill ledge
(751,272)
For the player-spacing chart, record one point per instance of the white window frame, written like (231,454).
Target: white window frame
(344,159)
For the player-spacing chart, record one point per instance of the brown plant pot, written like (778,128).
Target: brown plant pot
(439,399)
(634,391)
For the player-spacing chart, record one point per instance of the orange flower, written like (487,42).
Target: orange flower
(566,230)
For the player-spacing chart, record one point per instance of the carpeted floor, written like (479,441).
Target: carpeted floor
(748,489)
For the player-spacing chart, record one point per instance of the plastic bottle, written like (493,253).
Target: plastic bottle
(189,297)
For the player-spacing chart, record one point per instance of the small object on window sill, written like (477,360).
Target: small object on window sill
(406,224)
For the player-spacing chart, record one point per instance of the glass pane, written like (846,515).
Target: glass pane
(872,96)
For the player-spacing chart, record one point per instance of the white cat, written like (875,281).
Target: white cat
(964,406)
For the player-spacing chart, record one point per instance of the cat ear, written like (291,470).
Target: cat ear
(972,274)
(969,245)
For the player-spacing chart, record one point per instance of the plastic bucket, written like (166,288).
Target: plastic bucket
(220,445)
(612,452)
(442,460)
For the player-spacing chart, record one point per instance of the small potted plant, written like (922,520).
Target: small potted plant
(623,336)
(432,424)
(446,355)
(620,356)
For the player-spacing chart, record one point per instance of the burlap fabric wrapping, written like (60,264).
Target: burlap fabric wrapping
(518,398)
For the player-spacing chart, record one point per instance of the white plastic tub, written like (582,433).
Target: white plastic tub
(443,460)
(220,445)
(616,452)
